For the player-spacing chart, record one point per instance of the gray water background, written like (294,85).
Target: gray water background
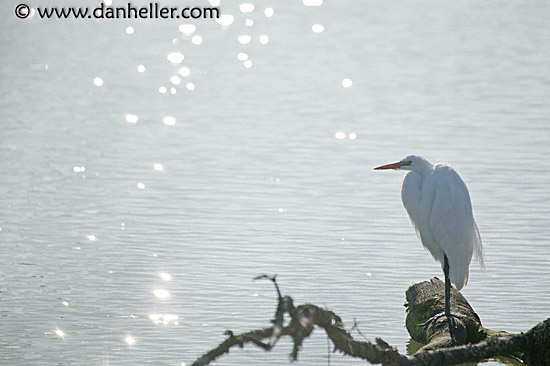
(254,178)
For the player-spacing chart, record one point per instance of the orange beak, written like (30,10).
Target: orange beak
(389,166)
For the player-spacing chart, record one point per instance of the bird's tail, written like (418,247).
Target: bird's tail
(459,272)
(478,246)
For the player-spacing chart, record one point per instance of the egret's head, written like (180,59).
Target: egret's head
(411,162)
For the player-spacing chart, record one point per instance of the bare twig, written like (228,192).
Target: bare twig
(272,279)
(283,304)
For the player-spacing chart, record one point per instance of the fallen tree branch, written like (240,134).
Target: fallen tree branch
(533,346)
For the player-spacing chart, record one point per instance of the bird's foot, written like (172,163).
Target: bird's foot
(440,315)
(450,321)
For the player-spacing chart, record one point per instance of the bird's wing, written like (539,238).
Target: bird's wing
(452,222)
(410,195)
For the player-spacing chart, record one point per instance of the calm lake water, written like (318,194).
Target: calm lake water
(134,219)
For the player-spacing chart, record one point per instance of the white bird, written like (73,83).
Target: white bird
(438,203)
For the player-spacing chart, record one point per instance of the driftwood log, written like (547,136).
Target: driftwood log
(424,300)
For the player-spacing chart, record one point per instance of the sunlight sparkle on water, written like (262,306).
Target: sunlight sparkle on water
(98,81)
(141,68)
(161,294)
(340,135)
(225,20)
(130,30)
(162,90)
(352,136)
(169,121)
(165,276)
(313,2)
(176,80)
(264,39)
(108,2)
(65,303)
(187,29)
(247,64)
(268,12)
(246,8)
(249,22)
(317,28)
(59,333)
(91,237)
(173,91)
(346,83)
(175,57)
(190,86)
(130,340)
(79,169)
(214,2)
(184,71)
(241,56)
(158,167)
(131,118)
(196,40)
(140,185)
(244,39)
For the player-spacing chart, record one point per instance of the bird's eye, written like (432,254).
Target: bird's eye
(406,163)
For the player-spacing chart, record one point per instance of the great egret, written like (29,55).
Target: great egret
(438,203)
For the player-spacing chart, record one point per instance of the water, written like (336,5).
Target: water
(267,169)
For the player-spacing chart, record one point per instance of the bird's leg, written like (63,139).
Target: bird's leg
(447,287)
(447,312)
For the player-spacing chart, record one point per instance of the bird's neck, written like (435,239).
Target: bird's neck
(423,167)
